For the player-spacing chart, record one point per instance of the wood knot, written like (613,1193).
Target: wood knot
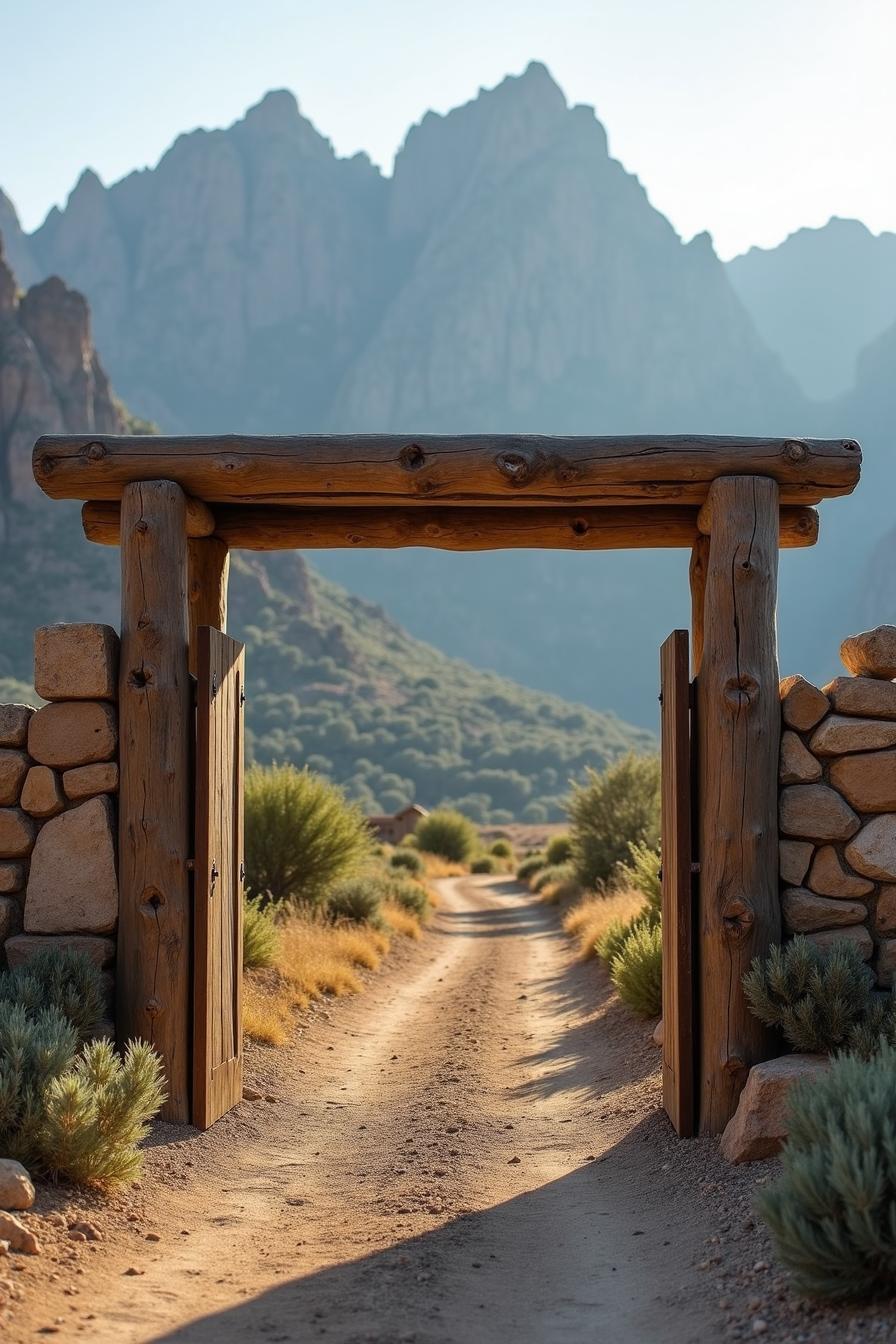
(850,445)
(735,1066)
(580,526)
(45,465)
(139,678)
(153,1007)
(738,918)
(411,457)
(795,451)
(517,467)
(95,452)
(740,692)
(153,899)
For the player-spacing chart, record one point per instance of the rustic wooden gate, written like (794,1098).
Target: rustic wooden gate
(680,1044)
(218,878)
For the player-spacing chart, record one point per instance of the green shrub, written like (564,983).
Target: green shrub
(260,934)
(301,835)
(448,834)
(559,849)
(613,939)
(357,899)
(35,1047)
(637,970)
(59,979)
(407,858)
(98,1111)
(484,863)
(612,811)
(529,866)
(641,871)
(831,1215)
(817,998)
(551,873)
(502,849)
(409,894)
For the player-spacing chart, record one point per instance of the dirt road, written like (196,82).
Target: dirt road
(468,1153)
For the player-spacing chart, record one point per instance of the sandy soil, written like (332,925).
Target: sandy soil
(470,1153)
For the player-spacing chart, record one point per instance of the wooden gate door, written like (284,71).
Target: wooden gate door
(218,878)
(680,1045)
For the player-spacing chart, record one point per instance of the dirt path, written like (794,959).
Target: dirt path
(464,1154)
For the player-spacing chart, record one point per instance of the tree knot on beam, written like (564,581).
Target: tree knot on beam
(738,918)
(741,692)
(412,457)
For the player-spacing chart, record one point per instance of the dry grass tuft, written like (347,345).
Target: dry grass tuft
(267,1009)
(435,866)
(400,920)
(594,914)
(558,893)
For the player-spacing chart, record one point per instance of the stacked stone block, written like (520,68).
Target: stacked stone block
(58,781)
(838,803)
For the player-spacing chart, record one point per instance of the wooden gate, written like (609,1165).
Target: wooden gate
(218,878)
(680,1045)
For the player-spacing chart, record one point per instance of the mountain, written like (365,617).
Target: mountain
(333,681)
(510,275)
(819,299)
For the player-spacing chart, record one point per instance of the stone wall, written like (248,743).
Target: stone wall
(838,802)
(58,781)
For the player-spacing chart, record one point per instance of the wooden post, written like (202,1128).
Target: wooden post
(209,570)
(738,727)
(155,830)
(699,563)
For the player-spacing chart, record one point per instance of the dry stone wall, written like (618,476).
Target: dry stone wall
(58,784)
(838,802)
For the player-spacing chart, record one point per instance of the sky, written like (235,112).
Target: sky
(748,118)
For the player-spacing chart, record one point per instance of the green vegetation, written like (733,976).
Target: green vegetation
(549,874)
(637,970)
(408,859)
(410,895)
(260,936)
(831,1213)
(69,1106)
(484,863)
(820,999)
(301,835)
(641,872)
(502,849)
(559,849)
(530,865)
(357,899)
(611,812)
(449,834)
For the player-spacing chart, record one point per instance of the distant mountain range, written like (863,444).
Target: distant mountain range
(509,275)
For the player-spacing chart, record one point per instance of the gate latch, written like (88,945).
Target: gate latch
(215,874)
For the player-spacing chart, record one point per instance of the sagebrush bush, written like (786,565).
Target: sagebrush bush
(96,1113)
(612,940)
(483,863)
(612,811)
(60,979)
(35,1047)
(357,899)
(260,934)
(301,835)
(641,870)
(502,849)
(449,834)
(637,970)
(410,895)
(408,859)
(831,1215)
(559,849)
(551,873)
(529,866)
(816,997)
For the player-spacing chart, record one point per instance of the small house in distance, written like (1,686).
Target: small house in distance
(392,830)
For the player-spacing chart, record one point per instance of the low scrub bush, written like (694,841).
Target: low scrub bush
(589,921)
(357,899)
(502,849)
(641,871)
(408,859)
(562,891)
(831,1213)
(260,935)
(611,812)
(637,970)
(559,849)
(447,834)
(399,919)
(613,939)
(60,980)
(301,835)
(820,999)
(484,863)
(549,875)
(410,895)
(530,866)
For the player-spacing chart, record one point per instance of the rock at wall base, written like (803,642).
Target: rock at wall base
(16,1189)
(759,1125)
(24,946)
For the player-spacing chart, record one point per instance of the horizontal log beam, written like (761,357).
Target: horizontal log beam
(102,520)
(385,469)
(270,528)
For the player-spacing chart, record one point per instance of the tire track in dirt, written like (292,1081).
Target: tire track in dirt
(470,1152)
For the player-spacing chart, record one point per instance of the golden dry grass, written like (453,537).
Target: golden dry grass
(400,920)
(558,893)
(593,915)
(435,866)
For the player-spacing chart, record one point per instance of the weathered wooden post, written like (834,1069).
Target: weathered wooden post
(155,827)
(209,569)
(738,730)
(697,574)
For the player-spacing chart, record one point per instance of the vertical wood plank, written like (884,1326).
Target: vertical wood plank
(679,1040)
(155,715)
(697,574)
(209,571)
(738,728)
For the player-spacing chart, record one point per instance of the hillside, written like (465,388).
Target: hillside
(333,681)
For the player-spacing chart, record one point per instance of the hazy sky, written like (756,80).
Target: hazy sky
(748,118)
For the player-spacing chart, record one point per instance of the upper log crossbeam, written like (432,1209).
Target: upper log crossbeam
(389,470)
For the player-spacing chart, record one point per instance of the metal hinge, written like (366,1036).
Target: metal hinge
(242,696)
(215,875)
(214,684)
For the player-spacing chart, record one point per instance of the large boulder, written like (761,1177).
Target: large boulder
(864,696)
(16,833)
(804,912)
(798,765)
(816,812)
(841,733)
(867,781)
(73,884)
(873,851)
(86,781)
(24,946)
(13,769)
(41,793)
(16,1190)
(794,859)
(871,653)
(76,662)
(802,704)
(14,720)
(856,934)
(73,732)
(829,876)
(759,1125)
